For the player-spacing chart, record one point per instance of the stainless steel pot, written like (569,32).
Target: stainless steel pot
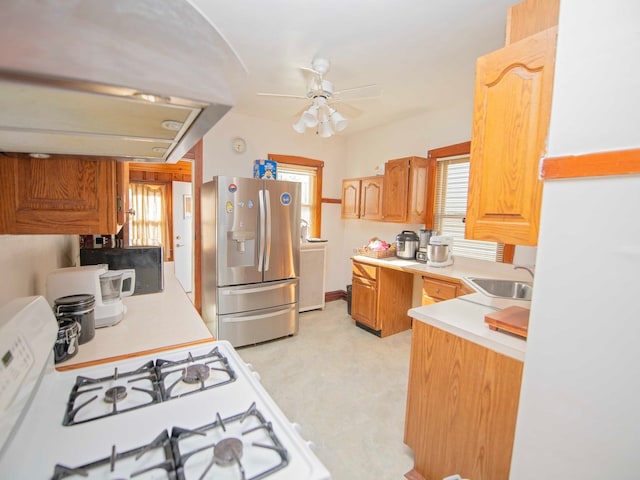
(406,244)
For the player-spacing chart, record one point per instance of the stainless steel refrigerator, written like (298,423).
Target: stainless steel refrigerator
(250,258)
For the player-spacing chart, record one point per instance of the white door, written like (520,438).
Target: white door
(183,233)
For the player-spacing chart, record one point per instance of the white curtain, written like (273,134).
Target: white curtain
(149,225)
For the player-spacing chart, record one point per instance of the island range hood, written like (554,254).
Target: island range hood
(141,80)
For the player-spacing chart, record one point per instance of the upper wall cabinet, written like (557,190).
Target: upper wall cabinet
(362,198)
(510,124)
(405,190)
(59,195)
(350,205)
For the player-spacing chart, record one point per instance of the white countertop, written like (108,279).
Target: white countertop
(462,267)
(153,322)
(464,316)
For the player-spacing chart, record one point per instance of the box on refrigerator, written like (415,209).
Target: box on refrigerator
(266,169)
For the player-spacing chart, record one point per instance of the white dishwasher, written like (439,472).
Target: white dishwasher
(313,270)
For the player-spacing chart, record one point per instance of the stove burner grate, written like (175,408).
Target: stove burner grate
(245,441)
(155,458)
(81,406)
(199,373)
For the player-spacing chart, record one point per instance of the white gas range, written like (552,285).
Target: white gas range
(197,412)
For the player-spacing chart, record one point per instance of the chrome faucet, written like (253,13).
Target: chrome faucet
(516,267)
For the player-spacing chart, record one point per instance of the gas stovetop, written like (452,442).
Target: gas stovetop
(197,412)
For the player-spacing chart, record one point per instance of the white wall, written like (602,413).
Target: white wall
(578,414)
(27,259)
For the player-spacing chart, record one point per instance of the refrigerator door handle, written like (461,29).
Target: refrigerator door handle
(267,229)
(249,318)
(246,291)
(261,238)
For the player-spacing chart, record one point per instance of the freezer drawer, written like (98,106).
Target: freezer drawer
(247,328)
(256,296)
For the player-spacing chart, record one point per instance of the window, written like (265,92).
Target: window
(308,172)
(450,209)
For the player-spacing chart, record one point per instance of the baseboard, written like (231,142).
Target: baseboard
(335,295)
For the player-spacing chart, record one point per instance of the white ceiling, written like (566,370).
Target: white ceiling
(421,53)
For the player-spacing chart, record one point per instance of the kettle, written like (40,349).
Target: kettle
(406,244)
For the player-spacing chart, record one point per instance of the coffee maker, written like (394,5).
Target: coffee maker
(107,286)
(423,241)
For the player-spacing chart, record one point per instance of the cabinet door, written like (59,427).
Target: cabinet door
(364,295)
(510,123)
(462,402)
(350,206)
(58,195)
(396,190)
(371,198)
(418,182)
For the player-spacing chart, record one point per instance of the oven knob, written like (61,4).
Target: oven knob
(297,427)
(257,375)
(312,446)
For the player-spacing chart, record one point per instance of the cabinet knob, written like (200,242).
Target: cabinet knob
(131,212)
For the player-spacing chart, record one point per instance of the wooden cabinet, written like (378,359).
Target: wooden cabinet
(371,191)
(405,190)
(380,298)
(59,195)
(530,17)
(436,290)
(350,205)
(362,198)
(510,124)
(462,403)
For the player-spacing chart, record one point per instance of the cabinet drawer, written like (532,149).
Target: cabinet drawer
(364,270)
(438,289)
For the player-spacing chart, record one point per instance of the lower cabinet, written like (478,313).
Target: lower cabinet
(436,290)
(462,402)
(380,298)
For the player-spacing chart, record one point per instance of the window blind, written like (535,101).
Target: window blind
(452,183)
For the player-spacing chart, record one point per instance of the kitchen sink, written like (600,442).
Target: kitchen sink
(492,287)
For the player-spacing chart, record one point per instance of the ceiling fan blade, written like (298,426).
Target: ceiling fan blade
(364,92)
(282,95)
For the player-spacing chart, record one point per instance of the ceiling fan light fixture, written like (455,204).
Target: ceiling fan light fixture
(325,130)
(300,126)
(310,117)
(338,120)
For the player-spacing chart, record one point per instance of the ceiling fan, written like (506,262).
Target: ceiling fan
(322,113)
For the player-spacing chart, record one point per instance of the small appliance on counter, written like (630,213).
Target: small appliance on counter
(145,260)
(423,243)
(440,251)
(107,287)
(406,244)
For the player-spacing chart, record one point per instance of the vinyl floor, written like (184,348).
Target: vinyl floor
(346,387)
